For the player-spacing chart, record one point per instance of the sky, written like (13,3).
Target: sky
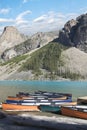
(31,16)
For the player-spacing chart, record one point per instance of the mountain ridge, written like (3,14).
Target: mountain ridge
(35,41)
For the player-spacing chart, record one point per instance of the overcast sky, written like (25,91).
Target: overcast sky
(31,16)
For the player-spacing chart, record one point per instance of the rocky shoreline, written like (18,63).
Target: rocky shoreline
(40,121)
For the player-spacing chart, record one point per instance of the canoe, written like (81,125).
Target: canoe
(15,107)
(82,100)
(45,96)
(38,102)
(14,98)
(29,102)
(33,97)
(75,111)
(53,93)
(44,93)
(49,108)
(55,108)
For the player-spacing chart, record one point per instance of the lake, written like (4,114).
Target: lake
(10,88)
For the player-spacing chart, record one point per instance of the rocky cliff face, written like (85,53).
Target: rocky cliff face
(10,37)
(64,35)
(74,33)
(36,41)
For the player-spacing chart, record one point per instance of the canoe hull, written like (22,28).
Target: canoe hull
(49,108)
(38,102)
(55,108)
(73,113)
(16,107)
(31,97)
(82,100)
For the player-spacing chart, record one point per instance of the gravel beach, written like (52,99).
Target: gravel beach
(29,121)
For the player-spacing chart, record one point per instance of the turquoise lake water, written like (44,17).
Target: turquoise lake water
(10,88)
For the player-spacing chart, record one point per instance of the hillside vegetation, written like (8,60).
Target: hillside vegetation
(48,59)
(15,60)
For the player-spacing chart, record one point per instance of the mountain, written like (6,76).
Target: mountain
(49,56)
(74,33)
(35,41)
(10,37)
